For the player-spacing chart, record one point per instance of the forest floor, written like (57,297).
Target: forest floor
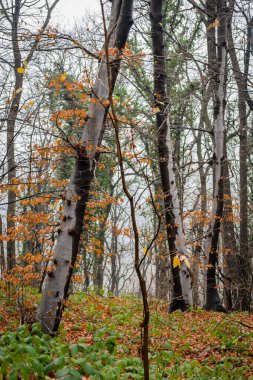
(100,339)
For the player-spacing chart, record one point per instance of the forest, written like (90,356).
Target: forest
(126,189)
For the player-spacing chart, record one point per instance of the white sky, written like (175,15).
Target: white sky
(70,11)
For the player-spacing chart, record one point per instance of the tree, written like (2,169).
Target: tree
(67,245)
(182,292)
(217,59)
(240,269)
(13,17)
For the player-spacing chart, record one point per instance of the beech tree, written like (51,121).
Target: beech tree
(67,244)
(217,56)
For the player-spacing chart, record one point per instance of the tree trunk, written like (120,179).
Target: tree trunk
(99,259)
(182,292)
(199,260)
(2,258)
(231,258)
(12,116)
(162,271)
(114,252)
(67,244)
(86,273)
(12,14)
(213,301)
(244,296)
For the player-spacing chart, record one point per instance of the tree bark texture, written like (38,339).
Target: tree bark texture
(231,257)
(162,274)
(67,244)
(98,271)
(242,301)
(2,258)
(213,301)
(12,116)
(182,292)
(198,259)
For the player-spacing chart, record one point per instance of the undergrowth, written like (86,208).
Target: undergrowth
(100,339)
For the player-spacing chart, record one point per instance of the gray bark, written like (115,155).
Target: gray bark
(114,252)
(231,258)
(242,277)
(182,292)
(162,274)
(67,243)
(180,246)
(198,259)
(2,258)
(213,301)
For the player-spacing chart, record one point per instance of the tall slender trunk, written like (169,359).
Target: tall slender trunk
(199,261)
(2,258)
(162,257)
(213,301)
(182,292)
(12,116)
(86,273)
(244,296)
(99,259)
(138,260)
(67,244)
(114,252)
(231,258)
(13,17)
